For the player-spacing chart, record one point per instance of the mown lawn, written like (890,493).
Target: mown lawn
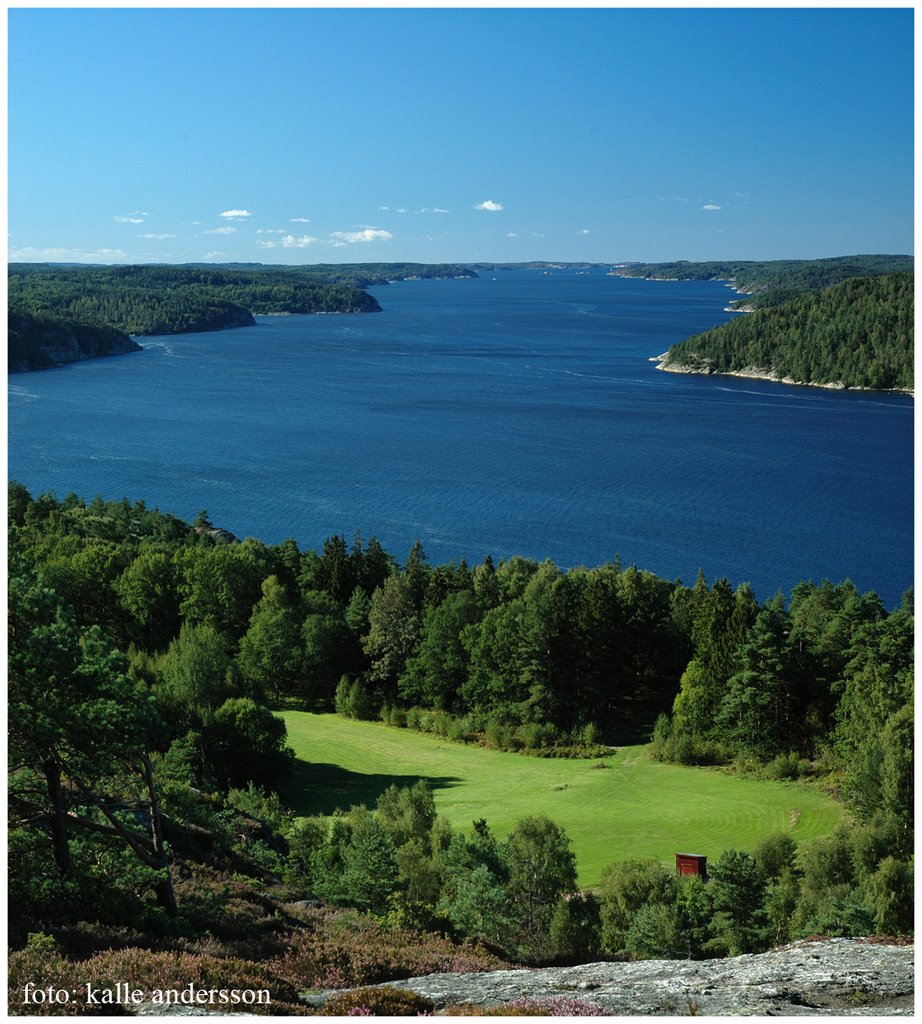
(622,807)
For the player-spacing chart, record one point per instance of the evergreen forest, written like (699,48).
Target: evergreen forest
(148,657)
(93,310)
(772,282)
(855,334)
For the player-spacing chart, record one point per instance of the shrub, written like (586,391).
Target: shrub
(257,803)
(340,949)
(590,735)
(385,1002)
(352,700)
(654,933)
(575,928)
(625,888)
(497,735)
(304,837)
(785,766)
(394,716)
(890,897)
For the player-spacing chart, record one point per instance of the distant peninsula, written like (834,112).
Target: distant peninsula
(768,283)
(857,334)
(62,313)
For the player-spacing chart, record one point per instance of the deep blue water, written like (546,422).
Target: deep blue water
(514,414)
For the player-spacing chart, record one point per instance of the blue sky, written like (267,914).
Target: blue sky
(338,135)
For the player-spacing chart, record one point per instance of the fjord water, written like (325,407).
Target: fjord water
(518,413)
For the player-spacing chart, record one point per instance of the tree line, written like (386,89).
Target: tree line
(98,307)
(165,300)
(147,653)
(411,868)
(773,282)
(858,334)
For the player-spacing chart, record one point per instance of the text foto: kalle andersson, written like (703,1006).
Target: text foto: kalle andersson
(123,994)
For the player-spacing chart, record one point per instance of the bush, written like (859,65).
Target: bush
(785,766)
(626,887)
(497,736)
(590,735)
(352,700)
(304,836)
(774,854)
(342,949)
(394,716)
(890,897)
(654,933)
(257,803)
(537,735)
(575,928)
(378,1002)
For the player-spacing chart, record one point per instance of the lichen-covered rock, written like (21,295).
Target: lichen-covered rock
(832,977)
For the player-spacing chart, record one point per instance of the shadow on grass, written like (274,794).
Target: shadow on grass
(322,788)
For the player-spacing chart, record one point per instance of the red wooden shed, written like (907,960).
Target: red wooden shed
(692,864)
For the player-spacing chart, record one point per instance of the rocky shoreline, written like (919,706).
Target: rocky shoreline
(830,977)
(756,373)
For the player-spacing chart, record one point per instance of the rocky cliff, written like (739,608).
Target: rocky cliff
(832,977)
(35,343)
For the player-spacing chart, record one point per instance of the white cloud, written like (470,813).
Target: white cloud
(585,231)
(401,209)
(290,242)
(132,218)
(433,209)
(299,220)
(512,234)
(270,231)
(367,235)
(220,231)
(154,235)
(488,204)
(235,214)
(298,242)
(32,254)
(711,206)
(213,255)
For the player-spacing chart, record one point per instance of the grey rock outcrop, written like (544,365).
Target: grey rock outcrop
(829,977)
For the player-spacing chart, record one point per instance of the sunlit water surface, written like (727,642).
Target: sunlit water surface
(518,413)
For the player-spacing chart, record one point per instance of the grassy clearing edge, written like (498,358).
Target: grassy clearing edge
(616,808)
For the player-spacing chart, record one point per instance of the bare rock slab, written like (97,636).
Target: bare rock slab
(830,977)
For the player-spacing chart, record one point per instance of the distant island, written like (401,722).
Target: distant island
(66,313)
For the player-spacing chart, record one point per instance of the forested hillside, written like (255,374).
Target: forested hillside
(37,342)
(63,313)
(772,282)
(856,334)
(164,300)
(147,655)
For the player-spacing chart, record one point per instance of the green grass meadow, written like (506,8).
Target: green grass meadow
(622,807)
